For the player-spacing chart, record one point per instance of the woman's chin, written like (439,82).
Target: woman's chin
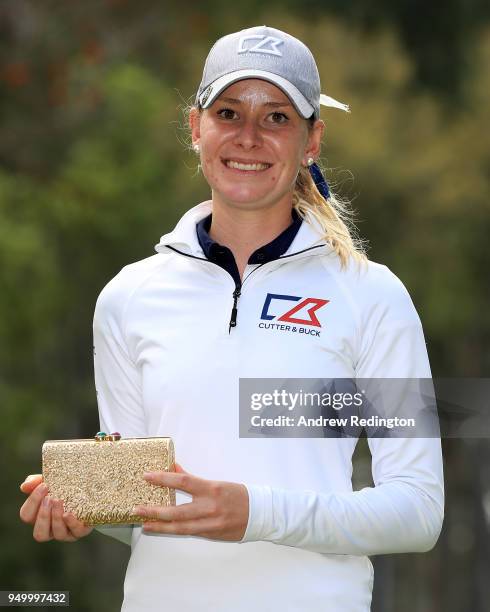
(244,197)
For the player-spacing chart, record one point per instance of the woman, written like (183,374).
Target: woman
(273,524)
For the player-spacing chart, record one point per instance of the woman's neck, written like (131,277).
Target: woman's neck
(244,231)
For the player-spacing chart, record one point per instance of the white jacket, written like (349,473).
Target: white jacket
(167,364)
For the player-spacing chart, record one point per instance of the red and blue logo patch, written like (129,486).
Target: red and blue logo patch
(277,308)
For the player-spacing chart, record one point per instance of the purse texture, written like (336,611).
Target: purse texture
(101,480)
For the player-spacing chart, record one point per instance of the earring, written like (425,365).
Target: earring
(196,148)
(310,161)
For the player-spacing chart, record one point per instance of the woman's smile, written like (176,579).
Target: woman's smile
(246,166)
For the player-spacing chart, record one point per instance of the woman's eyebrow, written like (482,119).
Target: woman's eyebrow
(270,104)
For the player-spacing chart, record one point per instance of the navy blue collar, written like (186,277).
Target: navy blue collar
(222,255)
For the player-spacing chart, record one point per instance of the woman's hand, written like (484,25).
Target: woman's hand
(47,516)
(219,510)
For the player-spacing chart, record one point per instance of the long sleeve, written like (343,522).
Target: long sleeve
(117,380)
(403,512)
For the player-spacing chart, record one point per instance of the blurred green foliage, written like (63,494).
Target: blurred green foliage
(95,167)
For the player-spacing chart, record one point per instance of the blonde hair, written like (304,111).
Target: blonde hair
(334,214)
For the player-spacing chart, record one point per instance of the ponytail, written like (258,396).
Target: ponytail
(333,215)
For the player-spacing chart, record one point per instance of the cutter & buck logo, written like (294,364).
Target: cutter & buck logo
(301,318)
(259,43)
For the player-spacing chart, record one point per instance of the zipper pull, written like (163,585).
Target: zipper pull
(234,310)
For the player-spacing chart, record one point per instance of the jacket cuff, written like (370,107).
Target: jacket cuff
(259,513)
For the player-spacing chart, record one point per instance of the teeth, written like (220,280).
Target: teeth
(239,166)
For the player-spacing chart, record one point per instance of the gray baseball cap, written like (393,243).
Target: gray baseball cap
(269,54)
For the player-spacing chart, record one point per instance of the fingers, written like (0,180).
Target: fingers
(76,527)
(177,480)
(183,512)
(30,508)
(220,512)
(49,519)
(179,469)
(42,526)
(58,526)
(31,482)
(52,523)
(33,477)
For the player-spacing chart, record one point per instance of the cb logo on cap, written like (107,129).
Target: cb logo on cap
(266,44)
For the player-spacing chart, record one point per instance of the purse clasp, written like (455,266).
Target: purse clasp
(101,436)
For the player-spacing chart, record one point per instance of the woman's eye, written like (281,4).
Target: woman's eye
(226,113)
(279,117)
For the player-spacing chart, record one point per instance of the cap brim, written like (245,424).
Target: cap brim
(210,93)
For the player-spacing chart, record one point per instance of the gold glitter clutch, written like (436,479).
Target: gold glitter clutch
(100,479)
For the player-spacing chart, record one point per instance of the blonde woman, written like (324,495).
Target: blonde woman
(260,524)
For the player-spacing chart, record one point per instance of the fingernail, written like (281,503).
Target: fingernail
(46,501)
(138,510)
(148,474)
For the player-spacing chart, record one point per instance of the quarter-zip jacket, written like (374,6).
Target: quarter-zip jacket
(167,363)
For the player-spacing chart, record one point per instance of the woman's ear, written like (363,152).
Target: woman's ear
(195,125)
(314,142)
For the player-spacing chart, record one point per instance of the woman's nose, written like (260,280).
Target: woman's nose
(248,135)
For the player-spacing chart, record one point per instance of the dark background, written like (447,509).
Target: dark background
(95,166)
